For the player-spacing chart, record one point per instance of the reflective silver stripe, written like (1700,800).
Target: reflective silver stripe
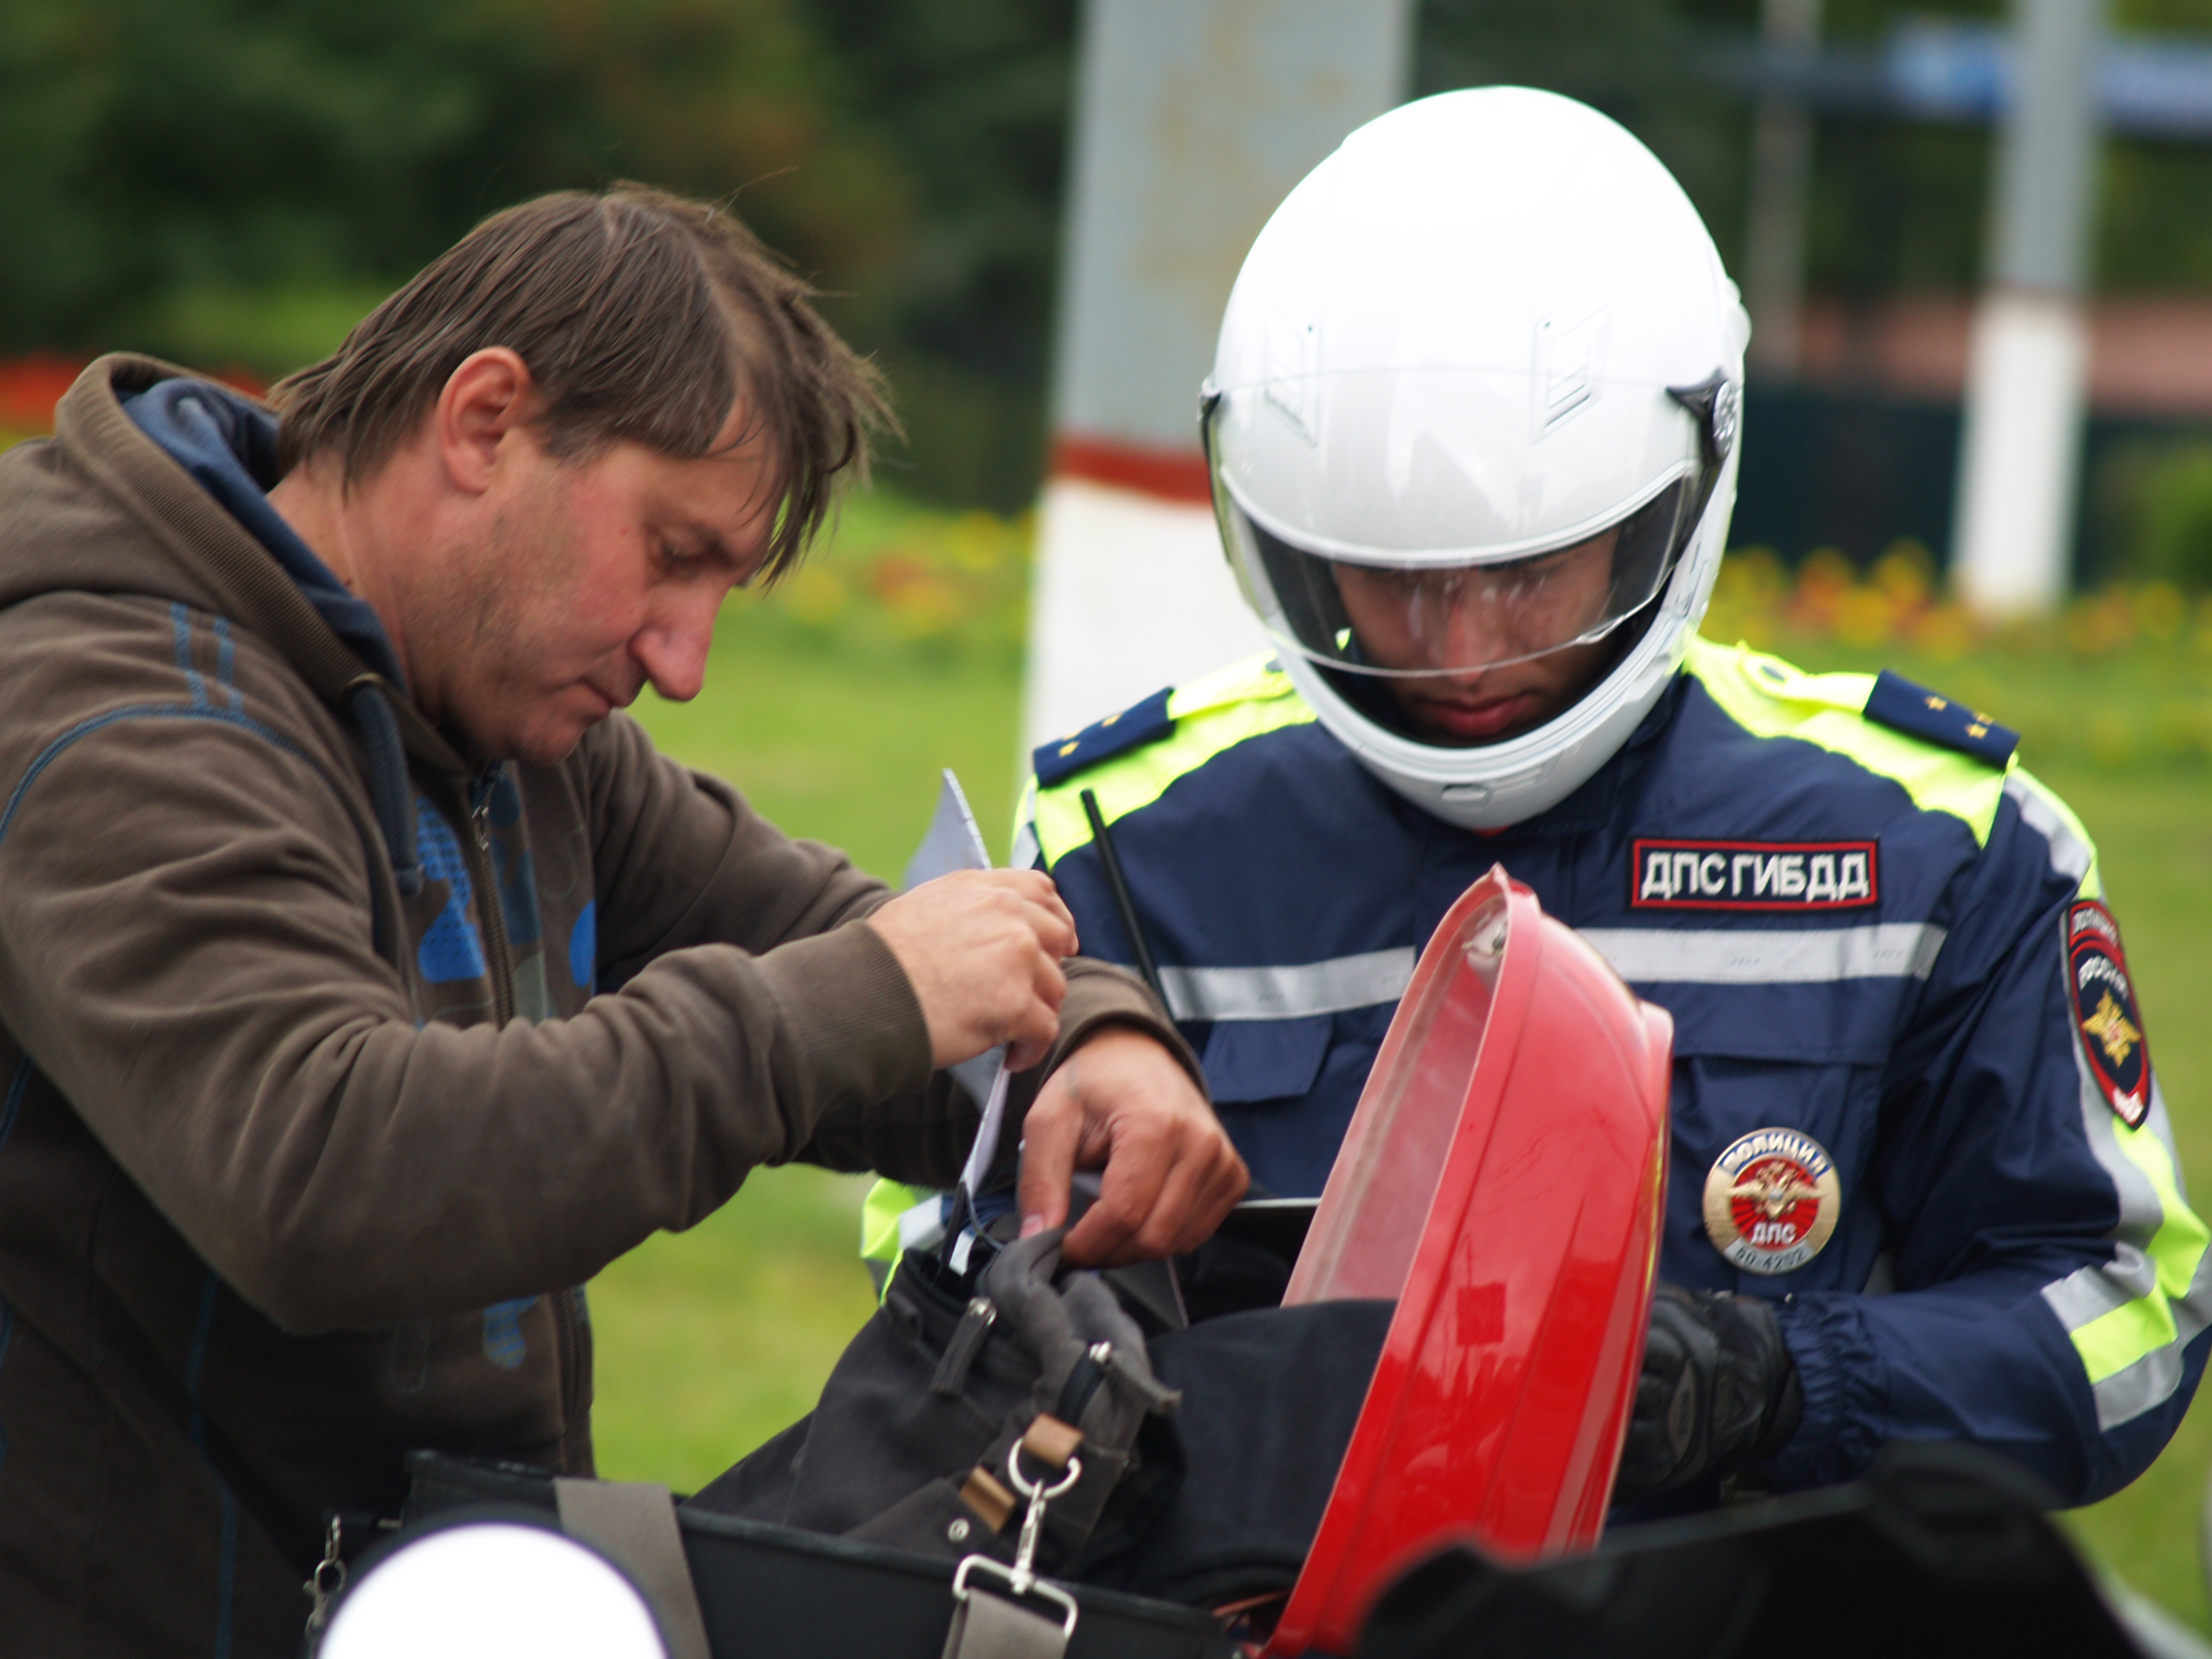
(1768,956)
(2088,1294)
(2152,1380)
(1290,991)
(2068,855)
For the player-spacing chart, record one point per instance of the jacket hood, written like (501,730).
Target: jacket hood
(146,526)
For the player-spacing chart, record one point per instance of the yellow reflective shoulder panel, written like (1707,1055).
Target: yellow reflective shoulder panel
(1772,698)
(1244,701)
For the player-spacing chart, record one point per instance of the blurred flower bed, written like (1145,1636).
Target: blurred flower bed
(30,387)
(2119,678)
(894,575)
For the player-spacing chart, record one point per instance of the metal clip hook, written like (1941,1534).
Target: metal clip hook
(1039,1495)
(1021,1578)
(328,1578)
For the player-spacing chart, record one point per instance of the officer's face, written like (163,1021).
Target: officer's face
(597,578)
(1491,635)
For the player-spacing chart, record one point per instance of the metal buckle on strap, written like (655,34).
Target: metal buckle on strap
(1025,1585)
(1021,1578)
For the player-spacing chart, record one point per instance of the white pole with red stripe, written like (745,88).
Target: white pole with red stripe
(1193,119)
(2027,379)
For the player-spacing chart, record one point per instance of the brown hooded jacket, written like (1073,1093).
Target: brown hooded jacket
(298,1169)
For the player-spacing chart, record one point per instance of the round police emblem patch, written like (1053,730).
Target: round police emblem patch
(2105,1017)
(1771,1200)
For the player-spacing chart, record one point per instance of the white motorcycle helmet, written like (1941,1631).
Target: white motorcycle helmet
(1478,390)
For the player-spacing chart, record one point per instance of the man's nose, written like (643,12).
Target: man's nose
(671,647)
(1471,628)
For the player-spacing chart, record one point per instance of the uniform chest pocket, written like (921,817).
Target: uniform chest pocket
(1254,1060)
(1841,1024)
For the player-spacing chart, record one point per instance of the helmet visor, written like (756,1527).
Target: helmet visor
(1372,612)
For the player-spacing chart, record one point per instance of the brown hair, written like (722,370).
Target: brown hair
(642,316)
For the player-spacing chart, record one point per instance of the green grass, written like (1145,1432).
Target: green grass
(711,1341)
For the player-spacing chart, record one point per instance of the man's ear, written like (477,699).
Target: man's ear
(487,400)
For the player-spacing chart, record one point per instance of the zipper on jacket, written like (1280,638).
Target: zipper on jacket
(568,1339)
(499,957)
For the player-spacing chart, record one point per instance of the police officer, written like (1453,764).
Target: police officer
(1474,432)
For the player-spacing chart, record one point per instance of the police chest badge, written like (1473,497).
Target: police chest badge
(2105,1017)
(1771,1200)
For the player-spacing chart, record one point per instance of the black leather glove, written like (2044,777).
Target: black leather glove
(1718,1391)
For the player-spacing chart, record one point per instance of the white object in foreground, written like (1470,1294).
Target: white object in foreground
(491,1589)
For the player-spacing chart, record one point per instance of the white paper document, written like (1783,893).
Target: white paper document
(953,842)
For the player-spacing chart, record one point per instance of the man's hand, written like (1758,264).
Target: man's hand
(1121,1101)
(1717,1391)
(982,949)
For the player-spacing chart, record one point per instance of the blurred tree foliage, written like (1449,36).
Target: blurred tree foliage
(234,181)
(975,93)
(150,146)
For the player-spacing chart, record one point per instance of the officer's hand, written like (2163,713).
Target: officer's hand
(1718,1390)
(1121,1101)
(982,949)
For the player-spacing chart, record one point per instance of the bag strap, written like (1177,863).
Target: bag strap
(633,1524)
(986,1626)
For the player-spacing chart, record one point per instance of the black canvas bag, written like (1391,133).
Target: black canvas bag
(1270,1396)
(1210,1455)
(911,1442)
(1941,1549)
(771,1592)
(1214,1501)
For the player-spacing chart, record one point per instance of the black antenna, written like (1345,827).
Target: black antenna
(1112,861)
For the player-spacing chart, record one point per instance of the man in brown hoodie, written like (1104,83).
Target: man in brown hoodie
(366,981)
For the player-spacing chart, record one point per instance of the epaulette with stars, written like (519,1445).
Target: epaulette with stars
(1141,723)
(1897,703)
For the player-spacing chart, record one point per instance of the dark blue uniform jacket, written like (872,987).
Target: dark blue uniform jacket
(1869,926)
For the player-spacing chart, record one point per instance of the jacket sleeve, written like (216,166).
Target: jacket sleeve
(682,859)
(187,950)
(2053,1292)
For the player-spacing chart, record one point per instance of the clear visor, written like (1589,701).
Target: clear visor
(1371,615)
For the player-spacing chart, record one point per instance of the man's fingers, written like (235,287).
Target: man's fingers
(1054,923)
(1123,1101)
(982,949)
(1033,1029)
(1214,1189)
(1187,1200)
(1112,1230)
(1050,1136)
(1029,1036)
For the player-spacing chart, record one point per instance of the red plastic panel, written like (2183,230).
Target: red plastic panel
(1503,1178)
